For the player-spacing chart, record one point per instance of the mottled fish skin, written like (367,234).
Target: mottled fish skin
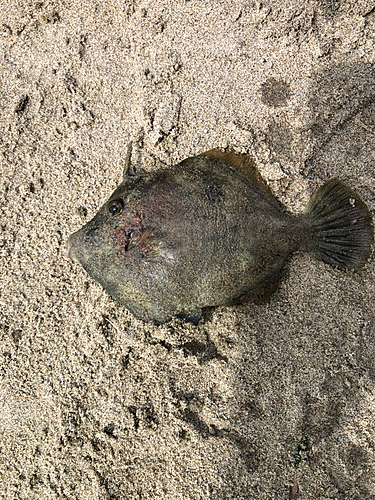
(205,232)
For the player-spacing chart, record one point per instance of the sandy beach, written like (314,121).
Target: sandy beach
(257,401)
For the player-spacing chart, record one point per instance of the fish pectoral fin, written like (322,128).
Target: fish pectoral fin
(150,245)
(142,240)
(148,231)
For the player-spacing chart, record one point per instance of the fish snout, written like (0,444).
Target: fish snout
(68,248)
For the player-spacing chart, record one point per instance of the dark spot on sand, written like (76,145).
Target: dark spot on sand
(204,352)
(21,105)
(275,92)
(109,429)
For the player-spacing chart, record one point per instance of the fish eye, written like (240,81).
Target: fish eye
(115,207)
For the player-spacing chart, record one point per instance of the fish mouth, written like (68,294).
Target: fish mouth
(68,250)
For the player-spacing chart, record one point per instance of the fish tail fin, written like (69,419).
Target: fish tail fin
(341,226)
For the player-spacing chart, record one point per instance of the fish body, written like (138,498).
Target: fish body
(209,232)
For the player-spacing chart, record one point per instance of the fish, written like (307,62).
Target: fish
(209,232)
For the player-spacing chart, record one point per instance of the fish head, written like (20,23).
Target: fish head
(109,246)
(132,243)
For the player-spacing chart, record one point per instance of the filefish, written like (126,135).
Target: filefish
(208,232)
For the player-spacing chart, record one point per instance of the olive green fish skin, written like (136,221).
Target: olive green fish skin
(202,233)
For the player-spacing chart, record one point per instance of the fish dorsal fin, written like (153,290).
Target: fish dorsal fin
(243,163)
(128,167)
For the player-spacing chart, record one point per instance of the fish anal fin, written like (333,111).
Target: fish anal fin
(261,294)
